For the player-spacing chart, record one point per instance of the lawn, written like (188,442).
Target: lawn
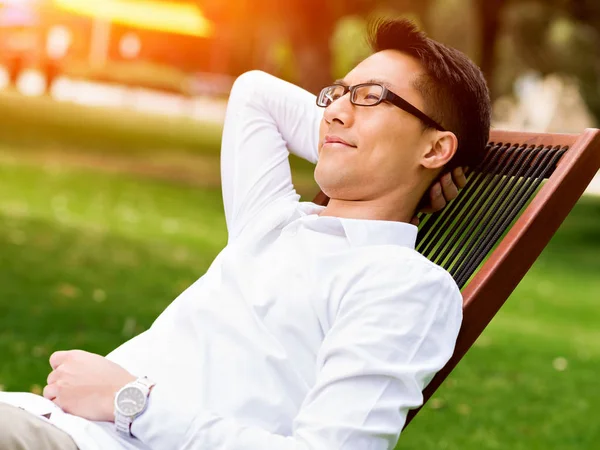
(89,259)
(92,250)
(40,123)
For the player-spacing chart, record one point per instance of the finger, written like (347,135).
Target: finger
(52,376)
(55,375)
(50,391)
(436,199)
(460,180)
(57,358)
(449,188)
(57,402)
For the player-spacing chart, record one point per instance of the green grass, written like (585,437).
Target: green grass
(87,260)
(41,128)
(40,123)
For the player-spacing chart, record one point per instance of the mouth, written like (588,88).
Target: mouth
(336,141)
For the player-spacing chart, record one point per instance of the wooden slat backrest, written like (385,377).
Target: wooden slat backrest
(466,231)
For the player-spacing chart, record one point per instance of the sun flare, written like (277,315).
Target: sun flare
(155,15)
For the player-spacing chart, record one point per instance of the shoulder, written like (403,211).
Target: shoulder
(396,262)
(272,217)
(400,273)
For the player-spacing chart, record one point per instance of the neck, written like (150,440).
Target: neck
(398,208)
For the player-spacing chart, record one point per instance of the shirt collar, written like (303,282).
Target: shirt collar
(361,232)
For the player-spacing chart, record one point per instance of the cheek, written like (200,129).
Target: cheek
(395,149)
(322,133)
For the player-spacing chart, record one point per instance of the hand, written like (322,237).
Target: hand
(84,384)
(441,192)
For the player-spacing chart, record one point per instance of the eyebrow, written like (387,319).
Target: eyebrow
(371,80)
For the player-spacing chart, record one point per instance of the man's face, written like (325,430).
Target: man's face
(384,144)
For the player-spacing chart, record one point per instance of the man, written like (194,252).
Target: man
(316,327)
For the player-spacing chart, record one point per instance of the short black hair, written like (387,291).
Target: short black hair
(454,89)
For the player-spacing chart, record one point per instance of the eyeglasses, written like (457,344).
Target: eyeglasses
(371,94)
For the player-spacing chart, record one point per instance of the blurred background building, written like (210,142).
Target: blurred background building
(181,56)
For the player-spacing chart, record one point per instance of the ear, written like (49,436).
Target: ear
(441,150)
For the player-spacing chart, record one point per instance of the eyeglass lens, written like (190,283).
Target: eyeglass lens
(364,95)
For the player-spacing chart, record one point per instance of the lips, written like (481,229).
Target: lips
(330,139)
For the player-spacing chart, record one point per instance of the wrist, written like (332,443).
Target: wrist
(130,402)
(111,398)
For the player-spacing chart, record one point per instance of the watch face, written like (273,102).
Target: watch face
(131,401)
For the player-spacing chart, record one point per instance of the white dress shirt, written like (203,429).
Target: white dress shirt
(306,332)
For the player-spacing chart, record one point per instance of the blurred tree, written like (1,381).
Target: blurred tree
(551,36)
(306,25)
(312,24)
(508,38)
(489,14)
(574,38)
(505,37)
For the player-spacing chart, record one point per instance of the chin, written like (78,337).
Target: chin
(324,178)
(334,183)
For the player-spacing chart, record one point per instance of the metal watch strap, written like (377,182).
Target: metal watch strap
(122,422)
(146,382)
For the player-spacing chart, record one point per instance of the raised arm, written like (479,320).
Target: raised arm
(265,118)
(388,340)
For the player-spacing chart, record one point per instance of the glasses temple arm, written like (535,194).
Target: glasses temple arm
(403,104)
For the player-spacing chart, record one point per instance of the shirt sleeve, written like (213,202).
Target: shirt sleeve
(266,119)
(385,345)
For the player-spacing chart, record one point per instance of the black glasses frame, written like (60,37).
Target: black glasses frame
(386,95)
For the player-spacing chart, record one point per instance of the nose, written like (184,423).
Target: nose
(340,111)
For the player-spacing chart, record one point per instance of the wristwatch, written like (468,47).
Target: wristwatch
(130,402)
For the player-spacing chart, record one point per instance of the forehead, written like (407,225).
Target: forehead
(395,69)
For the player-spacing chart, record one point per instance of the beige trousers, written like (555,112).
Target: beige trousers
(20,430)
